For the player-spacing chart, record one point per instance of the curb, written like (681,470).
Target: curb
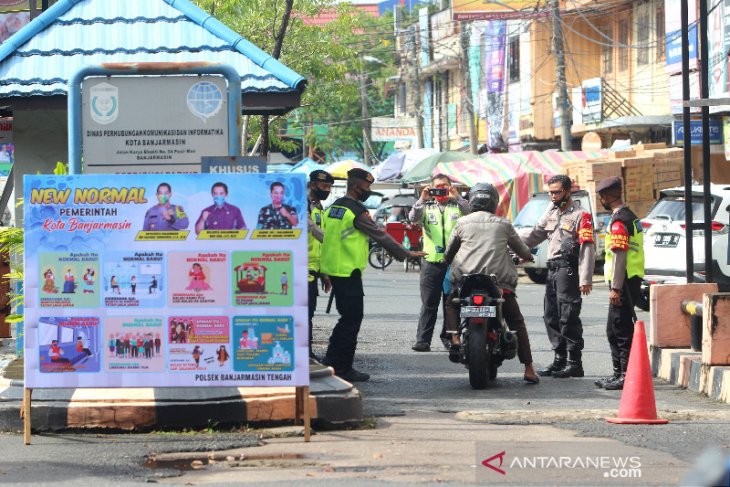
(683,367)
(331,401)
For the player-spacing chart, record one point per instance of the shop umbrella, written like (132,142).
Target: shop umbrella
(423,170)
(339,169)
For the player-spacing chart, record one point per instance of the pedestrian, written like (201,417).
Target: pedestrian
(623,271)
(347,228)
(437,210)
(571,259)
(480,244)
(320,186)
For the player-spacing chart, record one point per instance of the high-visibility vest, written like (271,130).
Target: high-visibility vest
(437,228)
(314,249)
(635,254)
(345,248)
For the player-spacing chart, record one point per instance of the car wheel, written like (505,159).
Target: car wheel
(538,276)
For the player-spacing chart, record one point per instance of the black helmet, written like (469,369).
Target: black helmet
(483,197)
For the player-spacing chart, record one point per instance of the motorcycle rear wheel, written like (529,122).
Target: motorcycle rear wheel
(379,258)
(478,356)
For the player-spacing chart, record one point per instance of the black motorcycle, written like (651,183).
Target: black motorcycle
(486,341)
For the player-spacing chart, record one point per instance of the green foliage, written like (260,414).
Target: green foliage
(328,56)
(11,242)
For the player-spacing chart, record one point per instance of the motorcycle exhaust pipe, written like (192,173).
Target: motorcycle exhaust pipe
(508,344)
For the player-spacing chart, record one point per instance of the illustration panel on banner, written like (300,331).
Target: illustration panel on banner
(263,343)
(68,344)
(198,278)
(135,343)
(69,279)
(199,343)
(134,279)
(262,278)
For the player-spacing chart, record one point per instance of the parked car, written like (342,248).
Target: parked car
(665,242)
(531,213)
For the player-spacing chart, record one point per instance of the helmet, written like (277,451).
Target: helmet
(483,197)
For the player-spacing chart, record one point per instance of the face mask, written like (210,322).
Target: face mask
(163,198)
(219,200)
(606,206)
(321,194)
(364,195)
(561,202)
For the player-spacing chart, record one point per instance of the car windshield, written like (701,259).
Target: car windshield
(672,208)
(531,212)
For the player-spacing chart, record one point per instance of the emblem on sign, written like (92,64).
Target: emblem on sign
(104,104)
(204,100)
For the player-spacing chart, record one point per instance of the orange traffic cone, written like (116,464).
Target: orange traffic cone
(637,404)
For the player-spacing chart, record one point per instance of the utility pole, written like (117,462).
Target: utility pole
(561,83)
(412,46)
(466,81)
(365,116)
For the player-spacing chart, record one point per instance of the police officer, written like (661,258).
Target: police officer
(343,258)
(437,213)
(165,216)
(571,259)
(320,185)
(623,271)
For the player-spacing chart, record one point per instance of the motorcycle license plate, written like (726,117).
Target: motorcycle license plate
(479,312)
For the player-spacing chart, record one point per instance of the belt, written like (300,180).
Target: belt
(558,264)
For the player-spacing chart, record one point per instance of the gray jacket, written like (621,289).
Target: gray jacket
(479,244)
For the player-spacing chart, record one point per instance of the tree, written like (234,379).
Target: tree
(328,56)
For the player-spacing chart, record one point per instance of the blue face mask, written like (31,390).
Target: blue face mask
(219,200)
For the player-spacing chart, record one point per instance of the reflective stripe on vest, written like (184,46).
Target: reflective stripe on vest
(345,248)
(437,228)
(314,246)
(634,256)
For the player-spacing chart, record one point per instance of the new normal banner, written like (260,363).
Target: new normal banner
(165,280)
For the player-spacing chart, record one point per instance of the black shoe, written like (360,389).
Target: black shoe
(446,342)
(455,352)
(352,375)
(558,364)
(573,369)
(615,385)
(605,380)
(421,347)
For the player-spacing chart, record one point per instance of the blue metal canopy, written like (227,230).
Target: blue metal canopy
(40,59)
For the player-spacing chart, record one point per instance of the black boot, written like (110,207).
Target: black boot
(616,374)
(558,363)
(573,369)
(618,384)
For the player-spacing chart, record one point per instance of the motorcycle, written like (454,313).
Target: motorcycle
(486,341)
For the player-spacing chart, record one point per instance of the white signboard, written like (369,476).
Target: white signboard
(394,129)
(130,123)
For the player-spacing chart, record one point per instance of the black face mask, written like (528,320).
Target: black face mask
(561,202)
(607,205)
(321,194)
(364,195)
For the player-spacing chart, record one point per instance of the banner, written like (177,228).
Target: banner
(7,149)
(507,9)
(166,280)
(10,23)
(494,64)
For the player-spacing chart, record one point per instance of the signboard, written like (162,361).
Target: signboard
(10,23)
(12,5)
(233,165)
(592,101)
(386,129)
(696,132)
(507,9)
(7,149)
(675,92)
(718,35)
(165,281)
(673,28)
(576,99)
(121,134)
(726,135)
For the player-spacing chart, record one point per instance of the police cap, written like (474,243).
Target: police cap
(321,176)
(357,173)
(608,183)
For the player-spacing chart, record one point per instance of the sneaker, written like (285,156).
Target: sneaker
(352,375)
(421,347)
(615,385)
(605,380)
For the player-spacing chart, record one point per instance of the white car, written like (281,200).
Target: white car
(665,242)
(531,213)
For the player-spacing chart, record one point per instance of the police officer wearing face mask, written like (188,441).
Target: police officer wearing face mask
(623,271)
(347,228)
(165,216)
(571,259)
(437,210)
(220,215)
(320,185)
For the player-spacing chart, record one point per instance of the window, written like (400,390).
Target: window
(661,36)
(642,38)
(623,45)
(514,59)
(606,41)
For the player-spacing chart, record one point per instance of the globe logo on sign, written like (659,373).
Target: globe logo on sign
(204,100)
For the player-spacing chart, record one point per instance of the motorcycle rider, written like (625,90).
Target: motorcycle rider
(479,244)
(437,215)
